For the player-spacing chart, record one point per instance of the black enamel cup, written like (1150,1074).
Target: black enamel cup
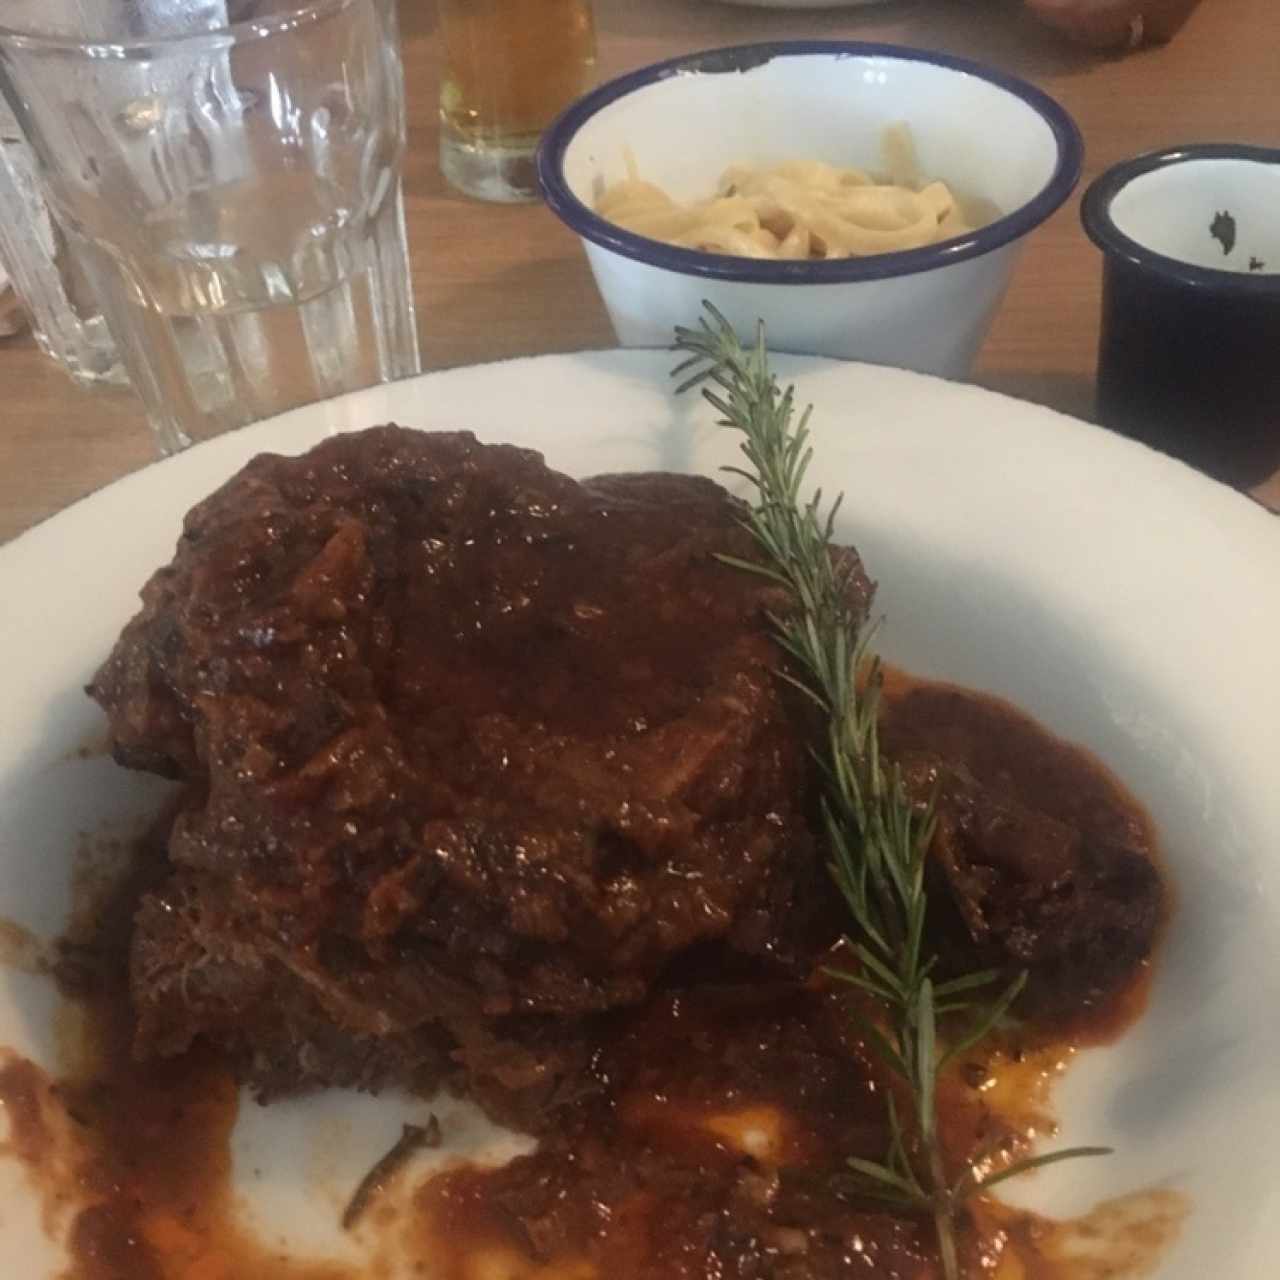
(1189,353)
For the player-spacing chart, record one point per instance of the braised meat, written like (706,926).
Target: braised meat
(478,754)
(1038,862)
(473,748)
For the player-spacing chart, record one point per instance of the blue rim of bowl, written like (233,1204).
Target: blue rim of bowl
(1011,226)
(1095,214)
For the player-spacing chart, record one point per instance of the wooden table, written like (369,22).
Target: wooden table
(494,281)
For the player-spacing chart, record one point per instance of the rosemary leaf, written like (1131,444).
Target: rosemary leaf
(969,982)
(898,1150)
(986,1022)
(1039,1162)
(880,1173)
(879,1043)
(872,988)
(926,1063)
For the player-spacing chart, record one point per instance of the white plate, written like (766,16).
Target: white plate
(1126,601)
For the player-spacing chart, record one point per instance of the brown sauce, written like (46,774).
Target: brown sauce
(20,949)
(23,1086)
(703,1144)
(132,1161)
(1121,1239)
(1011,751)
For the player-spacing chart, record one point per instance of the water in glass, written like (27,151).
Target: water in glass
(234,194)
(66,317)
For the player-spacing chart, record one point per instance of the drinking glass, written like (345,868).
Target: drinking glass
(228,173)
(510,67)
(66,317)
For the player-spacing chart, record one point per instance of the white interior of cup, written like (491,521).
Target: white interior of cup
(1217,213)
(685,130)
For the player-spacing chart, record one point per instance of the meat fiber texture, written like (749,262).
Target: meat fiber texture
(475,753)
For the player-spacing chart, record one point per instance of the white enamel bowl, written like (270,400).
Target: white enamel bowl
(685,121)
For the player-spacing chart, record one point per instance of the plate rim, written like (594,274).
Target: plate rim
(792,363)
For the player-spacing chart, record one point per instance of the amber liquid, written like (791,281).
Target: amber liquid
(510,66)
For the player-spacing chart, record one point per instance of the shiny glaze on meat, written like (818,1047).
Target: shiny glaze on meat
(472,746)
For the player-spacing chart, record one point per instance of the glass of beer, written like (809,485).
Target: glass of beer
(510,66)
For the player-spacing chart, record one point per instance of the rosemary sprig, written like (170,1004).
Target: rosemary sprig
(878,838)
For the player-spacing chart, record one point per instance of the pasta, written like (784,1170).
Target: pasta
(799,209)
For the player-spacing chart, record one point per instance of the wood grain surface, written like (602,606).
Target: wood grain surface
(494,281)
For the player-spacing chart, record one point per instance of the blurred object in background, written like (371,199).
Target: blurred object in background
(510,67)
(802,4)
(66,317)
(232,191)
(1115,24)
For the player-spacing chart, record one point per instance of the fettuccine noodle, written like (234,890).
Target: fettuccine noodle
(800,209)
